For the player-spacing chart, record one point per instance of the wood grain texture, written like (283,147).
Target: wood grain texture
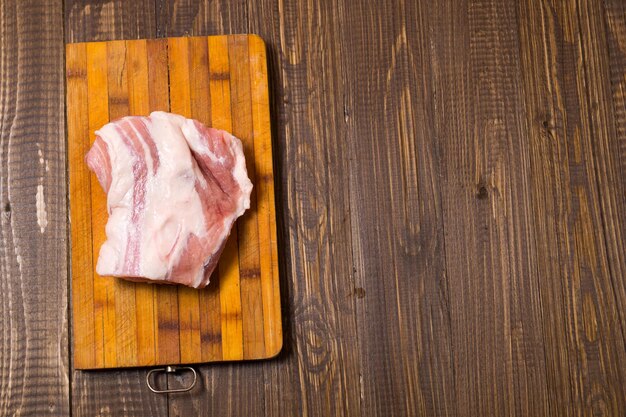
(103,20)
(400,182)
(82,252)
(248,226)
(613,181)
(269,273)
(200,17)
(494,294)
(116,393)
(451,205)
(587,349)
(34,352)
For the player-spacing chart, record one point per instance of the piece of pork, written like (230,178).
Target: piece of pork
(174,189)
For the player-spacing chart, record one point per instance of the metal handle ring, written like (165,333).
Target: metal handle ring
(170,370)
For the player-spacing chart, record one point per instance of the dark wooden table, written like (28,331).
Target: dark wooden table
(452,204)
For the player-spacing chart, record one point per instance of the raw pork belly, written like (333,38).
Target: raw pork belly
(174,189)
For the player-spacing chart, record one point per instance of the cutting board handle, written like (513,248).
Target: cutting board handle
(171,370)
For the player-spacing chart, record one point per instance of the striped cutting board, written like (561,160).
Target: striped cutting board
(221,81)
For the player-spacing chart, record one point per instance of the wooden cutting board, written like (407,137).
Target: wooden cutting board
(221,81)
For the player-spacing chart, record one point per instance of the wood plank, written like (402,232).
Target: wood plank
(614,158)
(80,207)
(34,325)
(104,300)
(272,326)
(189,325)
(587,347)
(158,83)
(247,225)
(210,322)
(608,152)
(219,82)
(494,297)
(403,310)
(199,79)
(178,62)
(201,17)
(117,393)
(167,332)
(138,77)
(96,20)
(117,79)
